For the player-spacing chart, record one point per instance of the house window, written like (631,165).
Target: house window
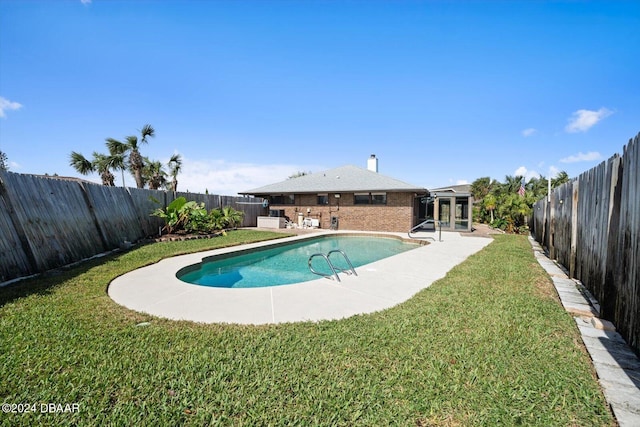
(370,199)
(361,199)
(378,198)
(462,213)
(323,199)
(285,199)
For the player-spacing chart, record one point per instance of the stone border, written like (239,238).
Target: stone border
(617,366)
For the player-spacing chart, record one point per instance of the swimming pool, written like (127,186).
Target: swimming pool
(287,264)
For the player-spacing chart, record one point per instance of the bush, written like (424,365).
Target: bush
(192,217)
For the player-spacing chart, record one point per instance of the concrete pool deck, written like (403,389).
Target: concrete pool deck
(156,290)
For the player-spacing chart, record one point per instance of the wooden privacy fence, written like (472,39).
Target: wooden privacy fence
(47,223)
(591,225)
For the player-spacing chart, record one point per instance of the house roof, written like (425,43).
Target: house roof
(342,179)
(460,190)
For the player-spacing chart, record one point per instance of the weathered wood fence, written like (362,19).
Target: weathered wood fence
(591,225)
(47,223)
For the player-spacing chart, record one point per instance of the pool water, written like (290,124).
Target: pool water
(288,264)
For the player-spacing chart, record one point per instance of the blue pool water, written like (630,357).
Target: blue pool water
(288,263)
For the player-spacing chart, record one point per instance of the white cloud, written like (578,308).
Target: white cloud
(457,181)
(582,157)
(553,171)
(583,120)
(526,173)
(528,132)
(521,171)
(85,1)
(227,179)
(6,105)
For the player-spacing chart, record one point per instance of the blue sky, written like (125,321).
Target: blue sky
(252,92)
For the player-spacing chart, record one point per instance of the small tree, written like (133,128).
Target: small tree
(489,203)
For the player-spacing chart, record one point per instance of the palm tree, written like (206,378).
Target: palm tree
(537,187)
(131,151)
(100,163)
(175,166)
(512,183)
(480,188)
(560,179)
(81,164)
(154,174)
(232,217)
(117,156)
(489,201)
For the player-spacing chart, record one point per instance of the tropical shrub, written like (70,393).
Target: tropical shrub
(232,217)
(182,216)
(197,218)
(502,206)
(173,215)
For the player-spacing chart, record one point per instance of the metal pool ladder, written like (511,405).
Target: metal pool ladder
(335,270)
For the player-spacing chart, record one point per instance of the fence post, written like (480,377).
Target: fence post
(552,227)
(574,228)
(610,291)
(545,224)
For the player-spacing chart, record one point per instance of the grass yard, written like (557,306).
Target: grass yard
(487,345)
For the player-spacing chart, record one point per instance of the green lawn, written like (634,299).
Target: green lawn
(487,345)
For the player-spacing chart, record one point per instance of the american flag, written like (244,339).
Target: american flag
(521,189)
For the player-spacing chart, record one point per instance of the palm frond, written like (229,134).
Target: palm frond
(132,142)
(147,130)
(81,164)
(175,164)
(116,147)
(117,162)
(100,162)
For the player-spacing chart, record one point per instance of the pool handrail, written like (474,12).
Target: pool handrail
(351,270)
(326,258)
(333,268)
(429,221)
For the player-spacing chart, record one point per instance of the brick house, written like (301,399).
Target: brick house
(347,197)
